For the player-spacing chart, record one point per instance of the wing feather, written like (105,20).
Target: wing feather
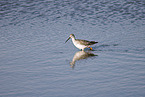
(86,42)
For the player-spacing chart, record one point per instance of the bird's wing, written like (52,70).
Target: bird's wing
(86,42)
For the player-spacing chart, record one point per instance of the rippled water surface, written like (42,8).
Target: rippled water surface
(35,61)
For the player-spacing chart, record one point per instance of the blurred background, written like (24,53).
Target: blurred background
(35,61)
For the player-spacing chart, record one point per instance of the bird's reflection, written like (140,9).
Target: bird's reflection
(80,55)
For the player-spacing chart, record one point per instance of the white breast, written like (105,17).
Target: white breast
(78,45)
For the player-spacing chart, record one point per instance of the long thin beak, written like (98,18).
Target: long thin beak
(67,39)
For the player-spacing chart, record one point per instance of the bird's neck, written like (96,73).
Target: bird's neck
(73,39)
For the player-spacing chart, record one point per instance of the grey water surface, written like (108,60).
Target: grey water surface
(35,61)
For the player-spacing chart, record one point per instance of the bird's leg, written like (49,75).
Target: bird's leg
(90,48)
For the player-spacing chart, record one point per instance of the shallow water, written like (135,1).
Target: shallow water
(35,61)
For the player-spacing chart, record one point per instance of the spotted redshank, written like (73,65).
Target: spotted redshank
(81,44)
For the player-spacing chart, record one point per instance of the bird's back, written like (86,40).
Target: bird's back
(86,42)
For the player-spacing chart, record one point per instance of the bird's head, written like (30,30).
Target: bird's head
(70,36)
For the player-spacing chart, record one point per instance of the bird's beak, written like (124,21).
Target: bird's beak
(67,39)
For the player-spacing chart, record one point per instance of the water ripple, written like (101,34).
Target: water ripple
(92,11)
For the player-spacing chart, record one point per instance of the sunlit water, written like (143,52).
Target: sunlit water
(35,61)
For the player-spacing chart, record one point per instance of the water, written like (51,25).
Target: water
(35,61)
